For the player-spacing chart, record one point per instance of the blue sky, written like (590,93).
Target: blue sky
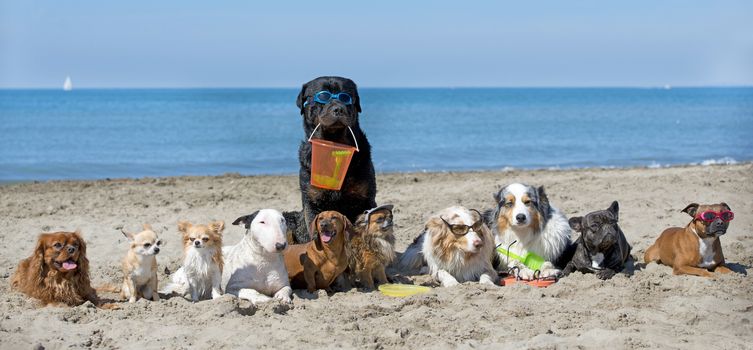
(378,43)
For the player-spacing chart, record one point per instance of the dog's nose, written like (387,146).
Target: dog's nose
(338,109)
(477,243)
(71,250)
(156,250)
(281,246)
(520,217)
(196,243)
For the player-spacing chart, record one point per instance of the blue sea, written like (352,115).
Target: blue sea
(115,133)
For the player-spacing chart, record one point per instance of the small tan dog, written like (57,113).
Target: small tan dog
(140,266)
(372,246)
(694,249)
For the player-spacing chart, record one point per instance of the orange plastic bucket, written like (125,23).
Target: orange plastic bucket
(330,162)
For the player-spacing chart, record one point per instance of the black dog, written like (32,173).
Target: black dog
(336,119)
(602,247)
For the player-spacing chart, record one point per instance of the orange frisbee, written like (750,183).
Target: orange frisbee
(539,282)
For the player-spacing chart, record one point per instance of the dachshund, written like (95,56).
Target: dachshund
(316,264)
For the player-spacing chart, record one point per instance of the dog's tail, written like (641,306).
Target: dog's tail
(178,285)
(107,288)
(412,259)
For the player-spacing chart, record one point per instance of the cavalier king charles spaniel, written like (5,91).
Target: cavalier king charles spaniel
(57,273)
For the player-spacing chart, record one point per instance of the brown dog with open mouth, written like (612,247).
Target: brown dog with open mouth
(316,264)
(57,273)
(694,249)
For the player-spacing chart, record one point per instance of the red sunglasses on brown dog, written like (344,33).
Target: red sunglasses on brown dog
(710,215)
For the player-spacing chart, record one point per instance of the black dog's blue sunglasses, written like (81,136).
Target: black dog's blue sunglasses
(325,97)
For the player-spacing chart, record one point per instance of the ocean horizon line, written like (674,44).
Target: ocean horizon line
(537,87)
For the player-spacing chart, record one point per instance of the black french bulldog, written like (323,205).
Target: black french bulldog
(336,114)
(602,248)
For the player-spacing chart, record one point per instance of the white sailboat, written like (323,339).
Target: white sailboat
(67,85)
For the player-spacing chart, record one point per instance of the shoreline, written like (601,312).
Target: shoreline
(713,163)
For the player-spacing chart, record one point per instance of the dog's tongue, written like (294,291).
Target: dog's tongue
(326,237)
(69,265)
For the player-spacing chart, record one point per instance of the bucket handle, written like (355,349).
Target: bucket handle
(351,134)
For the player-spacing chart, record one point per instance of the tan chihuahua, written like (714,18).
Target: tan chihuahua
(140,266)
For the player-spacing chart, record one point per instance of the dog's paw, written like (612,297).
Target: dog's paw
(450,283)
(526,274)
(284,296)
(550,273)
(486,279)
(605,274)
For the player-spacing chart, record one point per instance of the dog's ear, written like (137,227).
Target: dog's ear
(81,242)
(356,98)
(349,229)
(576,223)
(82,282)
(301,98)
(615,210)
(498,198)
(726,206)
(361,221)
(36,261)
(147,227)
(543,201)
(246,220)
(435,226)
(314,234)
(217,226)
(127,234)
(691,209)
(183,226)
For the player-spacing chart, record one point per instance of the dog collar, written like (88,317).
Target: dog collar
(529,259)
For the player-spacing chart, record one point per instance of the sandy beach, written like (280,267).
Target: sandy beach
(644,308)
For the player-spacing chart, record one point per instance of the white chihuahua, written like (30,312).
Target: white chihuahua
(201,273)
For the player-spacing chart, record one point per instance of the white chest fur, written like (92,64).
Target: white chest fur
(597,260)
(143,271)
(706,250)
(199,268)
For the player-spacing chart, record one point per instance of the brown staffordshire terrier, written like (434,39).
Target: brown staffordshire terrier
(316,264)
(694,249)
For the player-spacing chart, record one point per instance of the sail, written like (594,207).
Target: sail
(68,85)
